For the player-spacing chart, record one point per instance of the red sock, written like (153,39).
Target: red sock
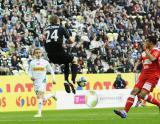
(152,100)
(129,103)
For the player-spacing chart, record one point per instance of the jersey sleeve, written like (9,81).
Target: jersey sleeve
(155,53)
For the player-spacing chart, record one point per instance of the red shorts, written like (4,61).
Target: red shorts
(147,81)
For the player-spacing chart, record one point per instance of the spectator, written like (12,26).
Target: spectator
(16,63)
(23,53)
(119,83)
(111,31)
(110,69)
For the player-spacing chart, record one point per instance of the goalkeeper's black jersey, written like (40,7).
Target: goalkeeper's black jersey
(54,38)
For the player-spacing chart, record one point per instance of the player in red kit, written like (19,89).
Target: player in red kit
(148,77)
(158,84)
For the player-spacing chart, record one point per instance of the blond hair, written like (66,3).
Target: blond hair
(53,19)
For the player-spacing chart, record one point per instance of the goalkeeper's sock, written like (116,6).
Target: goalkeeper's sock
(152,100)
(48,96)
(40,104)
(129,102)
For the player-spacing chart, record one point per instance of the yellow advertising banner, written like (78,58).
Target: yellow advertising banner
(17,92)
(96,81)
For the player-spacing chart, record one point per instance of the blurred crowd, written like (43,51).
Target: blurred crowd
(108,33)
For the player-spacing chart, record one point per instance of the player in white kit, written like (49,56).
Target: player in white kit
(38,70)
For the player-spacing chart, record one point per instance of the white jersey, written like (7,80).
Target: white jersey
(38,70)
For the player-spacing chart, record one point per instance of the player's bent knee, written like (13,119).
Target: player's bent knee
(141,95)
(135,91)
(39,95)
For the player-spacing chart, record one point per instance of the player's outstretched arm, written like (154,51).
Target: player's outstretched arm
(136,65)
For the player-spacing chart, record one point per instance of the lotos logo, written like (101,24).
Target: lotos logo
(27,87)
(1,91)
(3,102)
(20,102)
(96,86)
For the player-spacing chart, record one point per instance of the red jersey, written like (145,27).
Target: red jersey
(148,65)
(149,75)
(159,65)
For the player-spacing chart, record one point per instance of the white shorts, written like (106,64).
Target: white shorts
(40,87)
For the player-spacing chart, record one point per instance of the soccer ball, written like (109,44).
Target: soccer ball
(82,81)
(91,99)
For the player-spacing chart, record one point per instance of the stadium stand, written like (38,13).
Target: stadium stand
(108,33)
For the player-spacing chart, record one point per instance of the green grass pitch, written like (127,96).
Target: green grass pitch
(141,115)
